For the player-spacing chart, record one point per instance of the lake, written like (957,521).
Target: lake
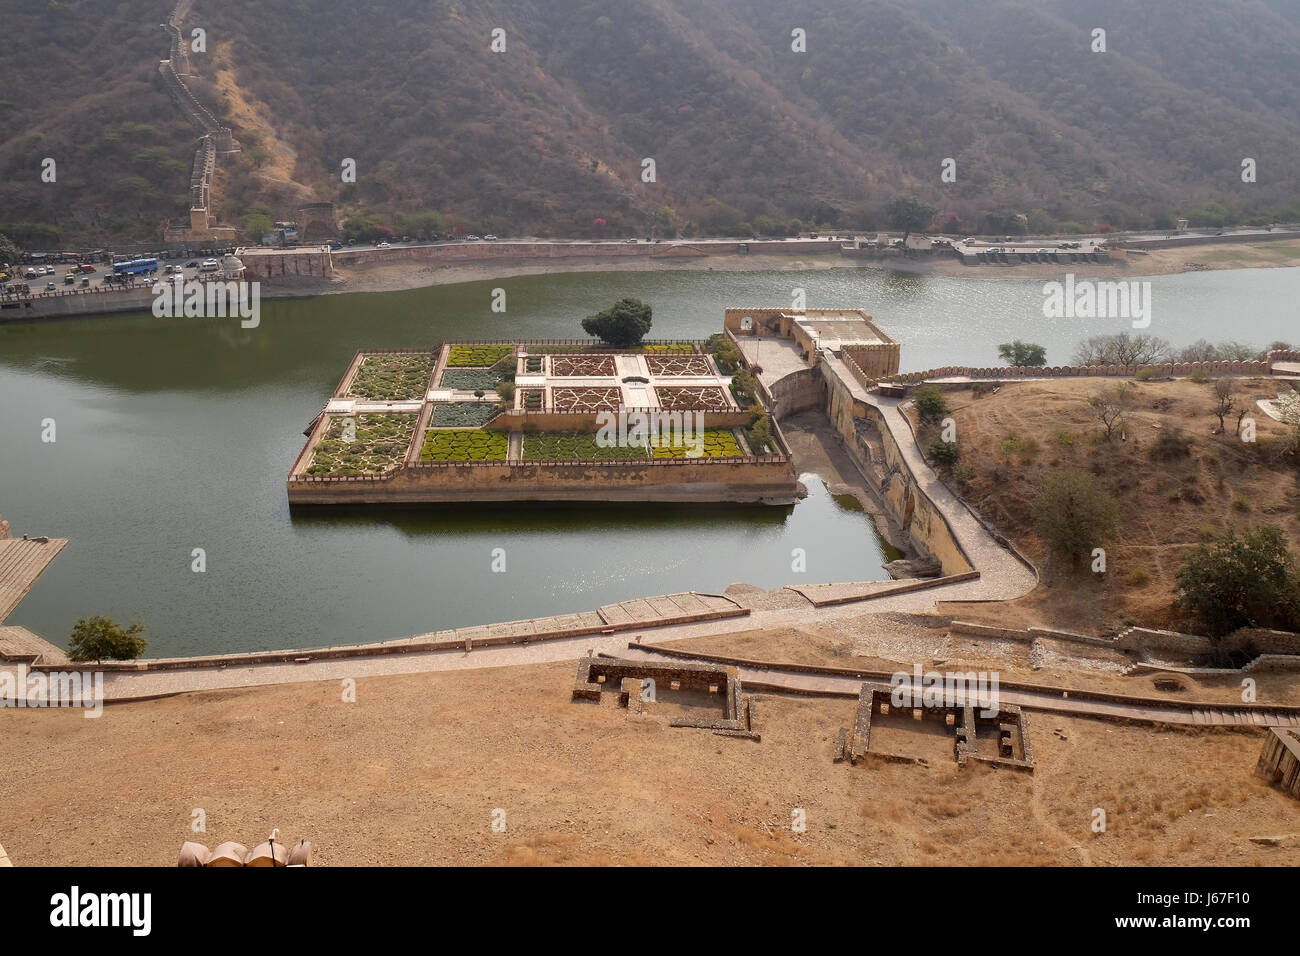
(176,434)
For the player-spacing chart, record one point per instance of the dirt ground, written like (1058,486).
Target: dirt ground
(412,772)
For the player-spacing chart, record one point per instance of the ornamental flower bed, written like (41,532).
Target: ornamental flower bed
(465,444)
(378,443)
(477,356)
(392,378)
(718,443)
(582,366)
(682,397)
(587,399)
(462,414)
(678,347)
(575,446)
(471,379)
(678,365)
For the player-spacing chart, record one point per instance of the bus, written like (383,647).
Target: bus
(135,267)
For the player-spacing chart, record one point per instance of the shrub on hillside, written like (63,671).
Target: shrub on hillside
(931,405)
(1073,516)
(1234,581)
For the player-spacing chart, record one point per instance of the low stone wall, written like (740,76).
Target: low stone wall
(479,251)
(918,516)
(742,480)
(796,392)
(1162,369)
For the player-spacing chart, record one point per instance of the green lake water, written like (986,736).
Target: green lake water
(175,434)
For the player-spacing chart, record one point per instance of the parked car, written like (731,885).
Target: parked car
(490,238)
(384,245)
(629,240)
(471,238)
(84,283)
(192,264)
(335,244)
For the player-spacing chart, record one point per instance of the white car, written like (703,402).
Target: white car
(471,239)
(384,245)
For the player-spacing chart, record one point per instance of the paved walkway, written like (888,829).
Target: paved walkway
(1045,699)
(1002,575)
(21,562)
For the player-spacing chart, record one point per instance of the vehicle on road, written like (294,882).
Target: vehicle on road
(70,278)
(209,266)
(87,267)
(383,245)
(192,264)
(490,238)
(136,267)
(629,240)
(49,287)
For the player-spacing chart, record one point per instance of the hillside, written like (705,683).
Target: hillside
(1168,502)
(549,135)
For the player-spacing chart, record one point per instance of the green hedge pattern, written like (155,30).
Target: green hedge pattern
(392,378)
(477,356)
(471,379)
(380,444)
(462,414)
(465,445)
(718,443)
(574,446)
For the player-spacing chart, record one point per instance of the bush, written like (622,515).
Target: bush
(726,356)
(1145,374)
(931,405)
(1231,582)
(624,323)
(98,637)
(945,453)
(1199,376)
(1170,445)
(1073,516)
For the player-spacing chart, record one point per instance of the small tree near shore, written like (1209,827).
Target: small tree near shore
(1022,354)
(98,637)
(624,323)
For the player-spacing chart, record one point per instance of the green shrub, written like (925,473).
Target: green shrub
(1073,516)
(945,453)
(1199,376)
(931,405)
(465,445)
(98,637)
(1145,374)
(392,378)
(477,356)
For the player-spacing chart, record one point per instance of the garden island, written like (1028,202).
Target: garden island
(547,421)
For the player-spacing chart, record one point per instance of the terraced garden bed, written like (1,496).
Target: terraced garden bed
(689,397)
(392,378)
(582,366)
(672,347)
(595,398)
(718,443)
(472,379)
(379,442)
(678,365)
(477,356)
(575,446)
(465,444)
(462,414)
